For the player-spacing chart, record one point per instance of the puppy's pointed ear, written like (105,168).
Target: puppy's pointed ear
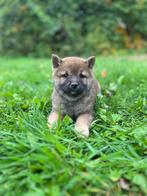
(56,60)
(90,61)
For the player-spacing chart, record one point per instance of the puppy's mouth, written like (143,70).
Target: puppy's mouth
(75,93)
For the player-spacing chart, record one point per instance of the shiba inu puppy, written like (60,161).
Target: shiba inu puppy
(75,91)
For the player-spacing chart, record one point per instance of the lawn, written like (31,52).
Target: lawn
(37,161)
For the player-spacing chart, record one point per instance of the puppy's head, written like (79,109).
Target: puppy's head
(72,75)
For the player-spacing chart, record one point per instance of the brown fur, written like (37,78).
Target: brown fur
(79,107)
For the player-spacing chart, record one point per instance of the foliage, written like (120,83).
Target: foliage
(36,160)
(72,26)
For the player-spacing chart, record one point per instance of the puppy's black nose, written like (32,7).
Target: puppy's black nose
(74,85)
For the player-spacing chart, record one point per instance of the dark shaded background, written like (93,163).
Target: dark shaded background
(72,27)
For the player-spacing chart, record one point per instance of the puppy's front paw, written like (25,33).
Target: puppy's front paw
(52,119)
(82,131)
(82,124)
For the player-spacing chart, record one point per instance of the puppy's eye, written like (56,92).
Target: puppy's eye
(64,75)
(82,75)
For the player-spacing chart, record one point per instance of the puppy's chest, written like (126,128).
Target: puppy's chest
(74,109)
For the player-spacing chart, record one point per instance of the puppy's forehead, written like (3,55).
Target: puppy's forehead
(73,60)
(74,63)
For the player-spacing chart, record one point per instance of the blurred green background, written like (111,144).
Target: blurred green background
(72,27)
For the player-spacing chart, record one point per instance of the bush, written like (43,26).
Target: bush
(71,26)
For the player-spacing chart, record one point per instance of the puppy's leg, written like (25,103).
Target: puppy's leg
(53,117)
(83,123)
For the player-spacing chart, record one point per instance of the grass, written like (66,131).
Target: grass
(37,161)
